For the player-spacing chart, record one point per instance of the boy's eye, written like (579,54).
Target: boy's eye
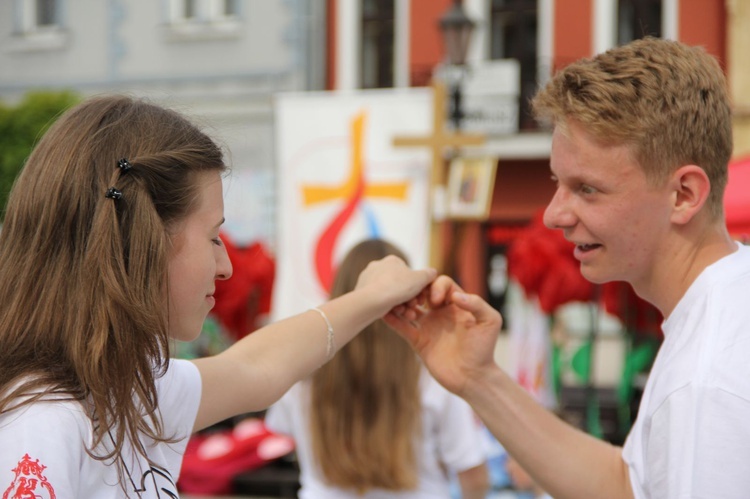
(587,189)
(217,241)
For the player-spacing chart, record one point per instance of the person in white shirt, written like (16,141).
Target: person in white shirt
(372,423)
(641,142)
(110,248)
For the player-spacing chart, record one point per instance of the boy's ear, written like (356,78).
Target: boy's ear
(690,190)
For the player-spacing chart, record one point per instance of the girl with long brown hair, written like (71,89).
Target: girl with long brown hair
(110,249)
(372,423)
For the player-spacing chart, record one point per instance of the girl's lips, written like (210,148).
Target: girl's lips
(582,251)
(587,247)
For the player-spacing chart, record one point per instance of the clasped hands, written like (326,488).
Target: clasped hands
(454,332)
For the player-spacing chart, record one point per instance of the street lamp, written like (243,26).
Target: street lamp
(456,28)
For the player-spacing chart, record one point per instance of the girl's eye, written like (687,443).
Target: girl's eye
(217,241)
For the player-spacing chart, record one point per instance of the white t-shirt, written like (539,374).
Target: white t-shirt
(451,436)
(692,435)
(43,447)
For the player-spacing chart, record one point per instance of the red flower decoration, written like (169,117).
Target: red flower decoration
(244,297)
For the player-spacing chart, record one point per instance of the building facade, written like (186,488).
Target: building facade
(224,60)
(220,61)
(394,43)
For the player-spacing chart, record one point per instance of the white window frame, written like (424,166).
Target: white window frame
(30,36)
(605,23)
(209,22)
(26,14)
(206,11)
(348,25)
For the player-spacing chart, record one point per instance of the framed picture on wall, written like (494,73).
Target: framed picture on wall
(470,185)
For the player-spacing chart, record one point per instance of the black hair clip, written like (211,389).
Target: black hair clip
(113,193)
(124,165)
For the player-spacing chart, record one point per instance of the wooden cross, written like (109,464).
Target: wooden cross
(438,141)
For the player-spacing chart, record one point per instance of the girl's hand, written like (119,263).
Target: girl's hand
(393,283)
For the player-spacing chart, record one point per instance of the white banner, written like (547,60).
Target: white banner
(341,181)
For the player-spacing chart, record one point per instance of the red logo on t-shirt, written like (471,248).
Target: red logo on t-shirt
(28,476)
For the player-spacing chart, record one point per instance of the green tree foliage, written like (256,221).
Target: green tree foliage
(21,126)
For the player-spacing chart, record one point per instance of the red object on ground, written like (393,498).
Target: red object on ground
(212,461)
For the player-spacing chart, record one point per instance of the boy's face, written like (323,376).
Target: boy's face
(605,205)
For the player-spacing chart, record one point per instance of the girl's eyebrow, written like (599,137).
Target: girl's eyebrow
(220,222)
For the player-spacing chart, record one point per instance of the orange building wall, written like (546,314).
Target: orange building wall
(426,45)
(572,32)
(704,23)
(521,189)
(470,259)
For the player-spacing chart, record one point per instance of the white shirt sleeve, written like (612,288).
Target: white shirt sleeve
(179,397)
(460,442)
(279,417)
(705,455)
(179,392)
(42,449)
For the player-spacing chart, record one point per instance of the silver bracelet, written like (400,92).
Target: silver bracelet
(331,348)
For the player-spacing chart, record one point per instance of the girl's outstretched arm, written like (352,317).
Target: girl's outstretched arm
(254,372)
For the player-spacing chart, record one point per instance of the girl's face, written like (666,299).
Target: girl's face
(197,260)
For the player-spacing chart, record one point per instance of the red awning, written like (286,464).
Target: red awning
(737,200)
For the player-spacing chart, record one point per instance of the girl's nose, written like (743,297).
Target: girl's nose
(223,265)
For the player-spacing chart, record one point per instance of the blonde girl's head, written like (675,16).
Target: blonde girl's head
(365,404)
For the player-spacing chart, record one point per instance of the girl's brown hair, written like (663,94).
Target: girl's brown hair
(83,278)
(365,405)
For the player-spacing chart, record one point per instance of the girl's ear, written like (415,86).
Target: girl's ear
(690,187)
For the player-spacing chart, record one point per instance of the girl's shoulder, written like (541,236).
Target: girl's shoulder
(46,414)
(44,446)
(47,432)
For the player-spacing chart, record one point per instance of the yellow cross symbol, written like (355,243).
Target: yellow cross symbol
(319,194)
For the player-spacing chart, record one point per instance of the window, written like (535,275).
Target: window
(36,15)
(513,35)
(202,11)
(637,19)
(46,13)
(189,10)
(228,8)
(201,20)
(37,26)
(377,43)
